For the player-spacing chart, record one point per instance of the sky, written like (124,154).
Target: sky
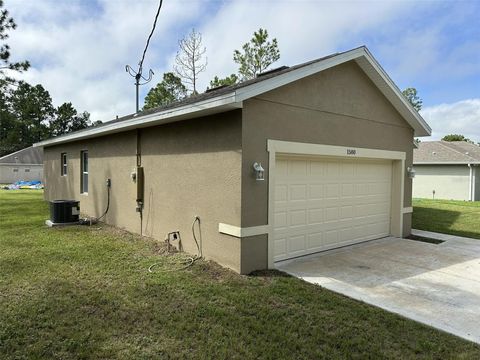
(79,48)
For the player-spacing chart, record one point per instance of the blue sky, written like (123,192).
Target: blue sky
(78,49)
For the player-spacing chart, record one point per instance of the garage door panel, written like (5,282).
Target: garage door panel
(316,191)
(298,217)
(324,203)
(315,241)
(296,245)
(297,192)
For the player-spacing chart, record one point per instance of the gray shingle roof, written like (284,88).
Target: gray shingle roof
(30,155)
(211,93)
(442,152)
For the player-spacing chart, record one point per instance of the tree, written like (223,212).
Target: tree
(6,24)
(456,137)
(257,55)
(229,80)
(189,62)
(33,110)
(67,120)
(412,97)
(170,89)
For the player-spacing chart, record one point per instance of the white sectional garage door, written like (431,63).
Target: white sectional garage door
(324,203)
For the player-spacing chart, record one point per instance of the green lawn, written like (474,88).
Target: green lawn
(460,218)
(83,292)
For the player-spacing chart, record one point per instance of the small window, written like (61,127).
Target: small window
(84,172)
(15,170)
(64,164)
(27,170)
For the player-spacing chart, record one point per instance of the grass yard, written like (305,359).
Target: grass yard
(80,292)
(460,218)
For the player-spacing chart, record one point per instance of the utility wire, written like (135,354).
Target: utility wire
(138,75)
(140,64)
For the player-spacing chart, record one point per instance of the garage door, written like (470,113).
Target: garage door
(324,203)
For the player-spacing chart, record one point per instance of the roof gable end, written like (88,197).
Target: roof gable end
(232,97)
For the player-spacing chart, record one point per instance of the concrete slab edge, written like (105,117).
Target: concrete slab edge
(49,223)
(395,310)
(439,236)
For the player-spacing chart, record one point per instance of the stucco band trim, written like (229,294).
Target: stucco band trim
(242,232)
(275,147)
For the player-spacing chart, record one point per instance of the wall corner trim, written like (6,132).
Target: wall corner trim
(242,232)
(407,210)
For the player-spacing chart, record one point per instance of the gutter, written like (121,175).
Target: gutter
(446,163)
(215,105)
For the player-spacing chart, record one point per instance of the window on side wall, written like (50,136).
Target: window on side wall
(64,168)
(84,172)
(27,170)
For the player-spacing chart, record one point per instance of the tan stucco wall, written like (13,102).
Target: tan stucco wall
(450,182)
(340,106)
(192,168)
(8,175)
(113,158)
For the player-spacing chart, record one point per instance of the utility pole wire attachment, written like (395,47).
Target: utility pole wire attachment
(138,74)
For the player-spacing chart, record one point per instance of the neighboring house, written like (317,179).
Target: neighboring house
(25,164)
(447,170)
(334,135)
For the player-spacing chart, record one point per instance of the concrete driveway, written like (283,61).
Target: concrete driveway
(438,285)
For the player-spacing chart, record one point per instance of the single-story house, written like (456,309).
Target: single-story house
(22,165)
(333,136)
(447,170)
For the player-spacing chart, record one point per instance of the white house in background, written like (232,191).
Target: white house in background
(22,165)
(447,170)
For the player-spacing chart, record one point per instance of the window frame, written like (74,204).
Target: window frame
(84,172)
(63,164)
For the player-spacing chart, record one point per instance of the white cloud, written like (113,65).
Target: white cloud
(462,117)
(79,49)
(81,58)
(305,30)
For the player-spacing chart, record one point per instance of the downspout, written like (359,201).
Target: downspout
(140,180)
(474,180)
(471,185)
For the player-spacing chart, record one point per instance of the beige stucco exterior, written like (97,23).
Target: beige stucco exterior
(203,167)
(450,182)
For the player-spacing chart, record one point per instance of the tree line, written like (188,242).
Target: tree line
(27,114)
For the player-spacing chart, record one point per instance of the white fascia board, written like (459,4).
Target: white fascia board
(446,163)
(398,101)
(294,75)
(211,106)
(20,164)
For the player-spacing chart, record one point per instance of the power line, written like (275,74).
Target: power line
(138,74)
(140,64)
